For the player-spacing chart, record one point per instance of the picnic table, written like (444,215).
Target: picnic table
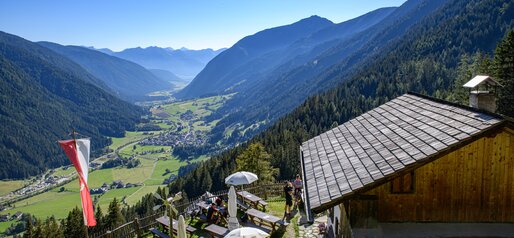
(203,205)
(257,216)
(216,231)
(165,222)
(252,199)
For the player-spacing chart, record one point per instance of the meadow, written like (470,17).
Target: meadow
(149,175)
(9,186)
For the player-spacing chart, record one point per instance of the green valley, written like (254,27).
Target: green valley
(180,123)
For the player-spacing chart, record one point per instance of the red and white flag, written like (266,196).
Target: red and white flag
(78,152)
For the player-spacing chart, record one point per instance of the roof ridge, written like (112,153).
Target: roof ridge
(493,114)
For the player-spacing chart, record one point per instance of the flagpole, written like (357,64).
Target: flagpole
(80,160)
(75,143)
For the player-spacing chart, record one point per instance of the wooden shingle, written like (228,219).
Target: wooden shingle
(386,140)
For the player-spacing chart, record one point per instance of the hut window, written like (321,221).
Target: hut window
(403,184)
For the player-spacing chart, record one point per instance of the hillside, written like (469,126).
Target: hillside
(184,63)
(289,84)
(254,72)
(169,77)
(249,57)
(126,79)
(45,95)
(425,61)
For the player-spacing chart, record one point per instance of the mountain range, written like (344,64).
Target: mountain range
(249,56)
(183,63)
(273,83)
(255,58)
(424,51)
(126,79)
(44,96)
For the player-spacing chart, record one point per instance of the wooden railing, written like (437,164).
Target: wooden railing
(139,226)
(135,228)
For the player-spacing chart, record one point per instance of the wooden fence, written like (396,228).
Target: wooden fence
(134,228)
(139,226)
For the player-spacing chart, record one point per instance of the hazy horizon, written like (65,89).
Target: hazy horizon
(194,25)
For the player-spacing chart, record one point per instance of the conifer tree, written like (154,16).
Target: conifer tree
(469,67)
(99,216)
(255,159)
(504,73)
(74,224)
(114,216)
(29,232)
(52,229)
(38,231)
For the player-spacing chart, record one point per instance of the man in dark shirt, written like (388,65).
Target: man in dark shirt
(212,214)
(288,192)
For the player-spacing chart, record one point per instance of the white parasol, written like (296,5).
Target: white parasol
(181,229)
(247,232)
(232,209)
(240,178)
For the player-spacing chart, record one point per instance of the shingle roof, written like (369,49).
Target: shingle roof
(404,131)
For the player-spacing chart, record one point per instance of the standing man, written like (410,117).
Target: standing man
(288,192)
(298,185)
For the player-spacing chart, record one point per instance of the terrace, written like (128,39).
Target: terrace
(271,194)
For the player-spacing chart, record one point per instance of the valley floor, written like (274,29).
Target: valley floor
(183,121)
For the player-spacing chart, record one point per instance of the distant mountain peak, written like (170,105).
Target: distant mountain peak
(183,62)
(315,19)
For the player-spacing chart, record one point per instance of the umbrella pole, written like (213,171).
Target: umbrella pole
(243,196)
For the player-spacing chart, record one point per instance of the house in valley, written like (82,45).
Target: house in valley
(414,164)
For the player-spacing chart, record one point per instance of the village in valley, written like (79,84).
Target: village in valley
(148,151)
(257,119)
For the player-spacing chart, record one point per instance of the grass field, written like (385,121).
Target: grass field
(129,150)
(5,225)
(59,204)
(129,137)
(136,196)
(9,186)
(63,172)
(49,203)
(150,173)
(107,197)
(200,107)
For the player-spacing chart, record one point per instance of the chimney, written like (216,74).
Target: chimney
(482,93)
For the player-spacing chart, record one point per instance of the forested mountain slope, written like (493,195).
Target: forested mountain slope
(232,67)
(247,76)
(425,61)
(43,96)
(128,80)
(291,83)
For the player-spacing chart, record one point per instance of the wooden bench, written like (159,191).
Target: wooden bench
(250,198)
(242,205)
(259,218)
(203,218)
(263,204)
(165,223)
(157,233)
(216,231)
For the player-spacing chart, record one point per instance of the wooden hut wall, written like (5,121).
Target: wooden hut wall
(474,183)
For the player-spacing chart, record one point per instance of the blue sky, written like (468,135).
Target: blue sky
(193,24)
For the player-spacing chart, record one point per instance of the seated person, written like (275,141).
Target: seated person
(221,206)
(212,214)
(219,202)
